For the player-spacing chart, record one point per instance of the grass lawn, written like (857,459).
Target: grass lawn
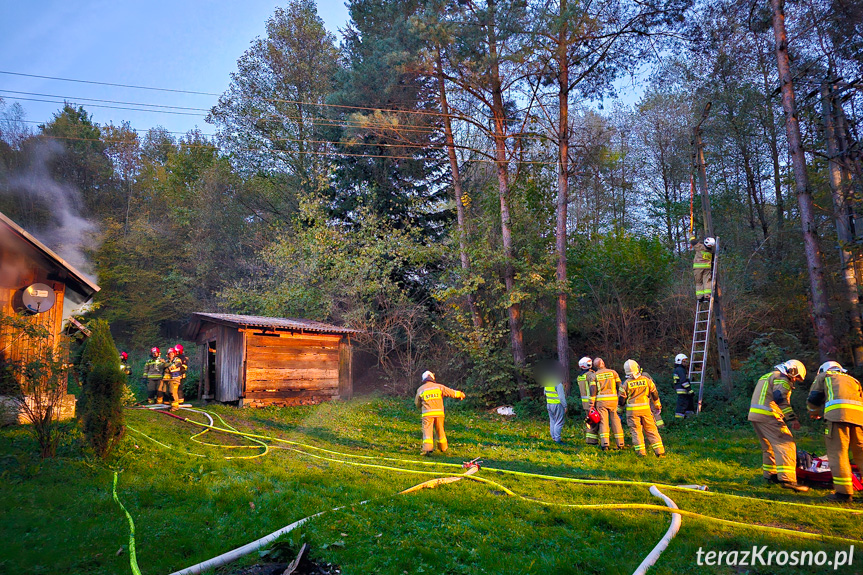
(58,516)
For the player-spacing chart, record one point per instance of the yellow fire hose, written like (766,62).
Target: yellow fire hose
(446,478)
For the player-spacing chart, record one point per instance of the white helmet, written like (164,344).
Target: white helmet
(631,368)
(428,376)
(680,358)
(709,242)
(831,366)
(585,362)
(793,369)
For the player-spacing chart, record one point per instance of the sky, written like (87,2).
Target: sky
(187,45)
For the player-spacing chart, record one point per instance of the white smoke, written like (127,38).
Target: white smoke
(66,230)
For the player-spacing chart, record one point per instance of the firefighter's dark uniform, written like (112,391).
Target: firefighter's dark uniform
(640,397)
(153,373)
(603,397)
(839,397)
(587,379)
(555,403)
(430,398)
(702,267)
(172,377)
(685,395)
(768,411)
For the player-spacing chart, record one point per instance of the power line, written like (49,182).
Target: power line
(301,152)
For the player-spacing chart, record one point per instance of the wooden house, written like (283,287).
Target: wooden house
(36,281)
(258,361)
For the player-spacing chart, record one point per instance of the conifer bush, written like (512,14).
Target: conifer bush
(101,403)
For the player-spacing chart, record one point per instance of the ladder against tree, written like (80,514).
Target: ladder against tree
(701,332)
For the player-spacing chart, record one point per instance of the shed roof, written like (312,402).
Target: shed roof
(76,281)
(280,323)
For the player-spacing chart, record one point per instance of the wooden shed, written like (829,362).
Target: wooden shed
(36,281)
(260,361)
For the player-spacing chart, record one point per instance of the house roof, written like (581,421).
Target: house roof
(276,323)
(74,279)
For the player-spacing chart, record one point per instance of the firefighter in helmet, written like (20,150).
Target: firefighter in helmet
(172,376)
(430,398)
(685,396)
(587,379)
(837,397)
(185,361)
(153,372)
(603,398)
(640,397)
(124,363)
(769,411)
(550,377)
(702,266)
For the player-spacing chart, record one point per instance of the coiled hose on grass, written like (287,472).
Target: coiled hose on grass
(442,477)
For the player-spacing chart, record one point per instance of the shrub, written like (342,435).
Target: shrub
(101,405)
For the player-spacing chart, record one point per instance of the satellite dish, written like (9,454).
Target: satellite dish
(38,298)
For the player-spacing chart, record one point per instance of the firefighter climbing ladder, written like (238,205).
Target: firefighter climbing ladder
(701,332)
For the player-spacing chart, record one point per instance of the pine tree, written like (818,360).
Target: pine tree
(101,405)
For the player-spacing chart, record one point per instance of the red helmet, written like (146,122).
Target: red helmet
(593,416)
(124,356)
(155,351)
(179,347)
(172,350)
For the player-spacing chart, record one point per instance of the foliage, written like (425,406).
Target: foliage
(101,403)
(35,378)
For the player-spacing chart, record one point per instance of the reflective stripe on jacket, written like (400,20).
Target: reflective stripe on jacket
(586,380)
(638,393)
(703,256)
(430,397)
(771,398)
(681,381)
(607,381)
(173,369)
(838,396)
(153,368)
(554,394)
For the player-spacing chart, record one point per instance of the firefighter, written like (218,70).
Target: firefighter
(153,372)
(587,379)
(702,267)
(838,397)
(685,395)
(640,396)
(172,376)
(603,398)
(550,378)
(430,397)
(768,412)
(182,355)
(124,363)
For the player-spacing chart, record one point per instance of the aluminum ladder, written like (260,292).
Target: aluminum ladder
(701,332)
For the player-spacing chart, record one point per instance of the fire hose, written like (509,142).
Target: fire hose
(669,508)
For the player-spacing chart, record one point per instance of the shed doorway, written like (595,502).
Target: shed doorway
(211,370)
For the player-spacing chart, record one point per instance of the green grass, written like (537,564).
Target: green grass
(58,516)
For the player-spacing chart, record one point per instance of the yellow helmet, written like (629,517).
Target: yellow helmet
(631,368)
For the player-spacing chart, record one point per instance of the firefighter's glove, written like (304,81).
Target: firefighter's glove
(460,395)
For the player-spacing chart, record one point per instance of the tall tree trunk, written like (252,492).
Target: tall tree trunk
(820,306)
(773,143)
(461,217)
(562,197)
(499,122)
(842,216)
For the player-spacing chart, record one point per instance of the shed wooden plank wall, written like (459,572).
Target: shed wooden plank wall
(291,368)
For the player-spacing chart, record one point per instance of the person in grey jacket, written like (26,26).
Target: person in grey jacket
(555,399)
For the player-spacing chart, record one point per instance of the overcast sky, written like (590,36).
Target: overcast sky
(182,44)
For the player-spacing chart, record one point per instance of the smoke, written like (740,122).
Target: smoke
(51,210)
